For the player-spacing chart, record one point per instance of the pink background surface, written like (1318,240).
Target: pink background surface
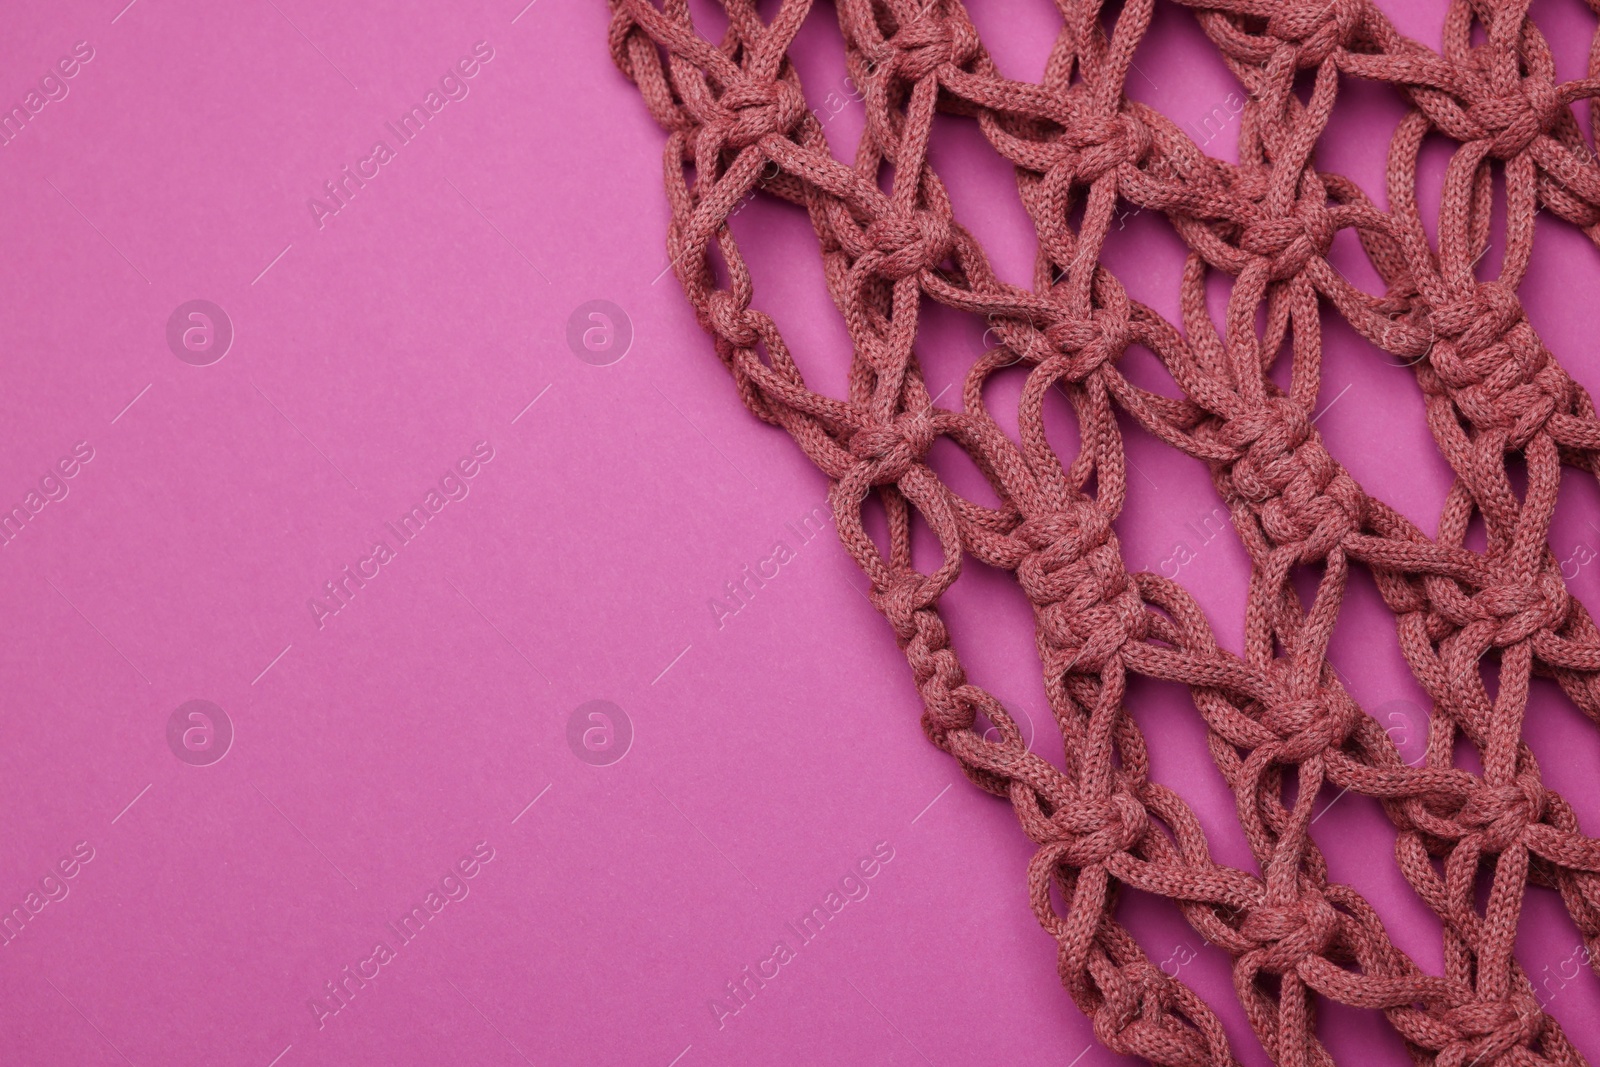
(769,755)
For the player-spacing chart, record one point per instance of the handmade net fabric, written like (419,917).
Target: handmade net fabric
(1474,623)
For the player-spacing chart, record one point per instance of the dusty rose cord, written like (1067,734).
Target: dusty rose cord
(735,112)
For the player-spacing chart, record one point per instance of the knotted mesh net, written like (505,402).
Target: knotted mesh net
(1481,607)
